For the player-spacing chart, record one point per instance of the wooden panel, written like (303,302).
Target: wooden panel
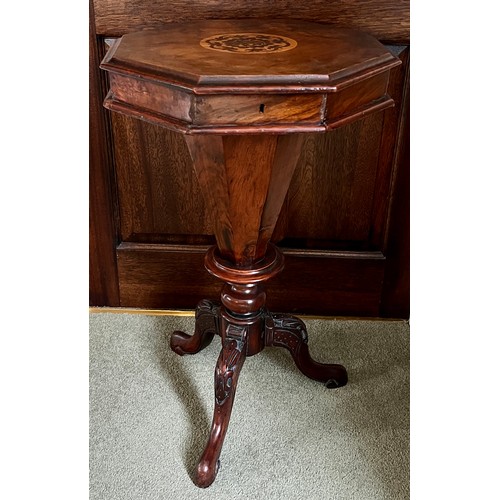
(388,20)
(159,194)
(357,95)
(396,292)
(351,283)
(152,276)
(389,143)
(341,192)
(342,182)
(330,197)
(250,109)
(345,172)
(153,96)
(103,279)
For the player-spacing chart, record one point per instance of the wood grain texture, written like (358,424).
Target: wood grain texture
(288,151)
(249,163)
(244,180)
(331,193)
(396,291)
(176,212)
(207,155)
(258,109)
(330,198)
(388,152)
(160,197)
(356,96)
(330,77)
(103,278)
(145,94)
(154,275)
(388,20)
(324,55)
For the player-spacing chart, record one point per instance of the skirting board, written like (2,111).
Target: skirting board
(173,312)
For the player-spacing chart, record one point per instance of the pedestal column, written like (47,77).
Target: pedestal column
(244,180)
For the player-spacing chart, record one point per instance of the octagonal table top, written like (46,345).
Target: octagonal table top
(251,52)
(248,75)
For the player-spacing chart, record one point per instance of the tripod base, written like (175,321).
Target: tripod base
(276,330)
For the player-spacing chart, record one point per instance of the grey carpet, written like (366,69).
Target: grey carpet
(289,437)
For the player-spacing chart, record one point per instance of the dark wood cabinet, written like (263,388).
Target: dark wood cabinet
(344,226)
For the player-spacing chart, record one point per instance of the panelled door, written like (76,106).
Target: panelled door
(344,227)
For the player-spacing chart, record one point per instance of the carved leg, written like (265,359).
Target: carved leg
(227,370)
(290,332)
(206,327)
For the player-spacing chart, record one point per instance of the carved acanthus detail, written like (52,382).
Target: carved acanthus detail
(230,360)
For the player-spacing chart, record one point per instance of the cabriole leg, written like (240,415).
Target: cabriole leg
(227,370)
(206,327)
(291,333)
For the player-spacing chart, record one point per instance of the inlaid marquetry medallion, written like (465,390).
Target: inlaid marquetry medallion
(249,43)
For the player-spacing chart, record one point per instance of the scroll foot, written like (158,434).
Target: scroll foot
(228,367)
(291,333)
(206,327)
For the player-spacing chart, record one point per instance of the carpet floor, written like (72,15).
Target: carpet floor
(289,437)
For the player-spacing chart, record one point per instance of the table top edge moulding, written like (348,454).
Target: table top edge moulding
(244,92)
(189,86)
